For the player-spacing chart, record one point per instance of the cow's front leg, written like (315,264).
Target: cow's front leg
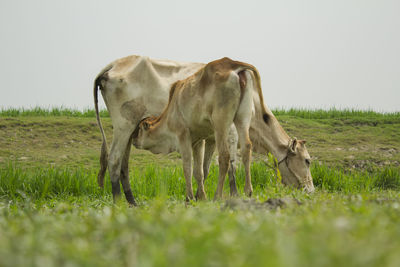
(185,145)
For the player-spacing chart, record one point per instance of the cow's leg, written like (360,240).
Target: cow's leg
(198,157)
(242,122)
(185,146)
(103,164)
(119,145)
(245,145)
(209,148)
(232,175)
(208,153)
(232,140)
(125,175)
(223,160)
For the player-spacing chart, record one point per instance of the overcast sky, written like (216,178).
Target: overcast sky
(313,54)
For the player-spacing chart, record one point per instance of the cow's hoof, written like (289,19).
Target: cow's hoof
(201,196)
(234,193)
(248,191)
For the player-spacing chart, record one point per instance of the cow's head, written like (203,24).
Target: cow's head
(295,166)
(149,136)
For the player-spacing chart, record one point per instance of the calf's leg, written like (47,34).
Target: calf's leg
(245,145)
(223,160)
(198,157)
(208,153)
(233,141)
(185,146)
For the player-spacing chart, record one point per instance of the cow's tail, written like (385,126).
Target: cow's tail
(104,150)
(257,81)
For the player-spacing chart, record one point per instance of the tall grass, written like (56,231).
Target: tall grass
(45,183)
(332,113)
(59,216)
(154,181)
(340,180)
(48,112)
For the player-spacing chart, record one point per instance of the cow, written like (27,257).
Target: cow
(137,87)
(203,107)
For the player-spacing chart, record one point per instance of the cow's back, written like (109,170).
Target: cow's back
(135,87)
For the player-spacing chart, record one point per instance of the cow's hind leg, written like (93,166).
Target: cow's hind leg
(103,164)
(119,145)
(242,122)
(209,149)
(232,175)
(233,141)
(185,146)
(208,153)
(125,175)
(245,145)
(222,121)
(223,160)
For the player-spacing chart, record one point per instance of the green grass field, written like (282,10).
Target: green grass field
(52,213)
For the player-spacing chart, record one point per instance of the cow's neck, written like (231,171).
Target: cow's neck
(269,137)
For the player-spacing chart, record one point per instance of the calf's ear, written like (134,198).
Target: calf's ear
(146,125)
(302,142)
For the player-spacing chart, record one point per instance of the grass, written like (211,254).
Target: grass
(52,213)
(151,181)
(51,112)
(353,142)
(332,113)
(338,180)
(352,232)
(60,217)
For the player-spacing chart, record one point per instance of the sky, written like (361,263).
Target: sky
(310,53)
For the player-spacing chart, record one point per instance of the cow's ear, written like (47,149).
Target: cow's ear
(292,146)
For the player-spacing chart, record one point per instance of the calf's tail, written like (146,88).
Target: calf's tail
(257,79)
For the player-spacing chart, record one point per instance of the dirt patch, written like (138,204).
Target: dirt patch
(389,150)
(270,204)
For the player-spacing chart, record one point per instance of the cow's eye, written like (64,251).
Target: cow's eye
(308,162)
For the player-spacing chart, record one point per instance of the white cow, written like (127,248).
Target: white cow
(137,87)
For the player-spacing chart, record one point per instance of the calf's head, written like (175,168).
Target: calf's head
(150,137)
(295,166)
